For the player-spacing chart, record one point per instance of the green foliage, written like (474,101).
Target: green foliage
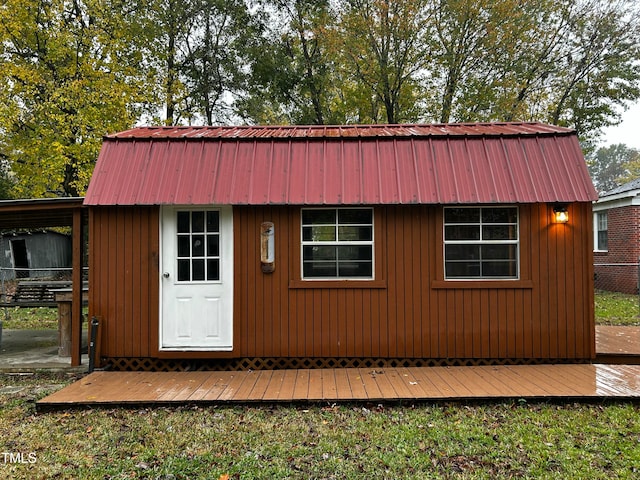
(75,70)
(66,82)
(613,166)
(562,62)
(195,57)
(293,76)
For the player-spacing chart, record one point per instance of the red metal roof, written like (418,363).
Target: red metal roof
(341,165)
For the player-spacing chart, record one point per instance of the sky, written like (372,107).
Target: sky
(628,132)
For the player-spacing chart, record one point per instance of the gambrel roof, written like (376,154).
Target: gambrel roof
(484,163)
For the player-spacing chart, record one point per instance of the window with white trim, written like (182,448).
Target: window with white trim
(337,243)
(602,231)
(481,243)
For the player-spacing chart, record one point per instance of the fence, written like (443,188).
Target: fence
(33,286)
(617,277)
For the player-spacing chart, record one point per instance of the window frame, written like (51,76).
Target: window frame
(370,243)
(596,226)
(516,242)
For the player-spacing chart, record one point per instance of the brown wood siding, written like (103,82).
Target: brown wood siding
(548,313)
(123,294)
(409,311)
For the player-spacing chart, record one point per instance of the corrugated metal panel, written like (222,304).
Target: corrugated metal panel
(350,165)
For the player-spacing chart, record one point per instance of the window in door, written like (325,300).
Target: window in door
(198,243)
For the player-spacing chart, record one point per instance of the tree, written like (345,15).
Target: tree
(67,81)
(293,78)
(613,166)
(562,62)
(6,182)
(196,51)
(384,45)
(565,62)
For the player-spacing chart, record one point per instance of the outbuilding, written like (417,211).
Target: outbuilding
(302,246)
(35,254)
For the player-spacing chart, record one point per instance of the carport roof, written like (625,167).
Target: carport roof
(38,213)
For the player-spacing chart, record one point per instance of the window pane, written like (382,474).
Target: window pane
(197,221)
(462,232)
(183,245)
(197,246)
(499,215)
(499,252)
(603,241)
(499,232)
(319,234)
(319,269)
(462,269)
(198,269)
(319,253)
(213,221)
(184,270)
(355,216)
(311,217)
(355,252)
(354,234)
(462,215)
(183,222)
(213,245)
(462,252)
(355,269)
(213,269)
(602,221)
(499,269)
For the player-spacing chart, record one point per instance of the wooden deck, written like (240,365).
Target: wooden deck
(582,381)
(618,380)
(618,344)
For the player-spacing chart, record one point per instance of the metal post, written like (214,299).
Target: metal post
(93,334)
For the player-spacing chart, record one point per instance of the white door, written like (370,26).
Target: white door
(197,279)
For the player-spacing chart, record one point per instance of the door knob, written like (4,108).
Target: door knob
(165,274)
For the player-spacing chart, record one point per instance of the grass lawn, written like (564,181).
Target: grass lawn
(32,318)
(453,440)
(616,309)
(514,439)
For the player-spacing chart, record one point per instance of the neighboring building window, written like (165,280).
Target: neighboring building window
(602,234)
(337,243)
(481,242)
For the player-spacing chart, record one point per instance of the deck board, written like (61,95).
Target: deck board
(617,340)
(301,389)
(358,392)
(315,385)
(288,386)
(585,381)
(368,378)
(211,388)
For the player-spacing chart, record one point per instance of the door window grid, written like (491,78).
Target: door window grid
(198,246)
